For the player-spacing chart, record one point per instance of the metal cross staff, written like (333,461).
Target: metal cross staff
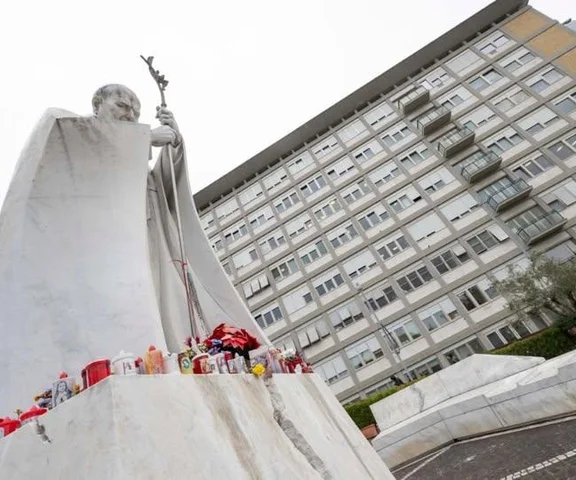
(191,294)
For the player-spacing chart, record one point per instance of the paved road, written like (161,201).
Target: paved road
(541,452)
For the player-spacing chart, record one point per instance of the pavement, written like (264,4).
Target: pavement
(539,452)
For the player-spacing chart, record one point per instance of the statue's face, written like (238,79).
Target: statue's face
(120,105)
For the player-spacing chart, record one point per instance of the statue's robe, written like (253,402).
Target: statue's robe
(89,255)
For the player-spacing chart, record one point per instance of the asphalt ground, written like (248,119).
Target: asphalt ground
(538,452)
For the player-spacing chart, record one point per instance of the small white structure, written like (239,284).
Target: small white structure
(195,426)
(480,394)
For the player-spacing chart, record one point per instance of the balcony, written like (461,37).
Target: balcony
(413,100)
(433,120)
(508,196)
(481,165)
(455,142)
(543,226)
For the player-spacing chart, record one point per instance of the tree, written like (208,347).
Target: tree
(545,286)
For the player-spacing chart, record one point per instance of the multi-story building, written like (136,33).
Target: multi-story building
(369,237)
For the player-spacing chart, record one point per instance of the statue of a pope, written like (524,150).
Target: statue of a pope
(89,250)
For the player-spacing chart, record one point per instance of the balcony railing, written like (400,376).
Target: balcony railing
(508,196)
(543,226)
(433,120)
(413,100)
(455,142)
(483,164)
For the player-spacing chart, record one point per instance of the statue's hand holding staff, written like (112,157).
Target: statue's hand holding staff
(168,132)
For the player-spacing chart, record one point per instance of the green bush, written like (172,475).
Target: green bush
(360,411)
(548,344)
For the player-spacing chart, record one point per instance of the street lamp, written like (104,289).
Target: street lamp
(390,340)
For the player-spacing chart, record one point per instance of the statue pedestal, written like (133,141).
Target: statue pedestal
(192,426)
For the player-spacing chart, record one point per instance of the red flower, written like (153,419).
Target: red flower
(234,338)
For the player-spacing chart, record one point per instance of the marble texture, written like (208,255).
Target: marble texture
(502,392)
(218,427)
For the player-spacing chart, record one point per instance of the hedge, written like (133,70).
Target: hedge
(360,411)
(548,344)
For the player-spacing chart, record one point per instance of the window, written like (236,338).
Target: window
(380,297)
(450,259)
(299,225)
(360,264)
(355,192)
(350,132)
(227,208)
(327,209)
(414,279)
(505,140)
(288,201)
(234,233)
(268,316)
(296,299)
(367,151)
(404,199)
(301,163)
(544,79)
(260,218)
(275,180)
(527,218)
(396,134)
(538,120)
(374,217)
(392,246)
(255,285)
(345,316)
(565,148)
(251,194)
(494,44)
(284,269)
(380,115)
(567,104)
(509,333)
(463,351)
(529,169)
(424,369)
(313,185)
(436,180)
(384,174)
(460,207)
(438,314)
(518,59)
(465,62)
(479,117)
(313,252)
(328,283)
(244,258)
(325,147)
(216,243)
(207,221)
(405,331)
(484,80)
(487,239)
(272,242)
(426,227)
(312,334)
(285,343)
(227,269)
(512,98)
(494,188)
(436,80)
(342,235)
(477,295)
(340,168)
(560,197)
(561,253)
(416,156)
(364,352)
(455,97)
(332,370)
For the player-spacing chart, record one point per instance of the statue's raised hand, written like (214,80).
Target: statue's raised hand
(168,132)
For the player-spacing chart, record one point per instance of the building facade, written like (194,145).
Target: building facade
(369,238)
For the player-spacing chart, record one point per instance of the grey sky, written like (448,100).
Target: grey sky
(242,74)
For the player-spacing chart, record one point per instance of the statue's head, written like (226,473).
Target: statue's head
(116,102)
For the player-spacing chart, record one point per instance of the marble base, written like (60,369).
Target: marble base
(502,392)
(188,426)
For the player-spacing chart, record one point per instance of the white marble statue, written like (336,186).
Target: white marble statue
(89,251)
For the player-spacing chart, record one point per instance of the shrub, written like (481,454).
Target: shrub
(548,344)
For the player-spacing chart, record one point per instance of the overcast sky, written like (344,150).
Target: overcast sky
(242,73)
